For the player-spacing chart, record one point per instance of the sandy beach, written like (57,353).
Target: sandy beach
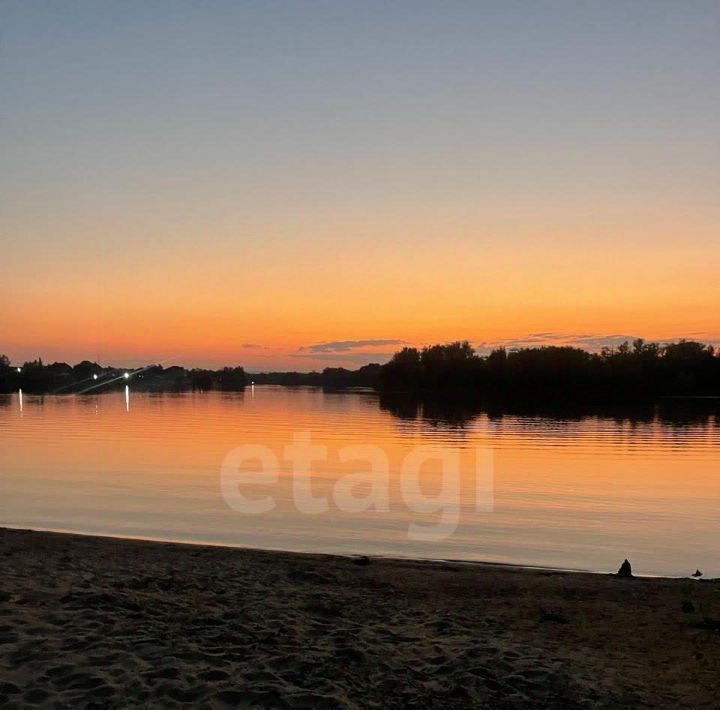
(98,622)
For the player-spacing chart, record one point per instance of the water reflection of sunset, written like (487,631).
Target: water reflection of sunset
(567,493)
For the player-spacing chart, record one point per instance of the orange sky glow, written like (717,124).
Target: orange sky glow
(301,187)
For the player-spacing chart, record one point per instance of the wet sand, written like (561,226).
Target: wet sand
(98,622)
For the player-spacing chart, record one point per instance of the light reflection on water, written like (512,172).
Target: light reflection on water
(572,493)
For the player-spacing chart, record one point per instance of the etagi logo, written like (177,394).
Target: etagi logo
(368,487)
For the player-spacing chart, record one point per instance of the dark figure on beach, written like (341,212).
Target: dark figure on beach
(625,570)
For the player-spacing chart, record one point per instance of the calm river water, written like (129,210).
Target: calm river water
(572,493)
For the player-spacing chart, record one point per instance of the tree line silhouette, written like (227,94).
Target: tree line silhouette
(331,378)
(633,371)
(37,378)
(630,371)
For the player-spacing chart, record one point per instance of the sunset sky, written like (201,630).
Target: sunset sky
(301,184)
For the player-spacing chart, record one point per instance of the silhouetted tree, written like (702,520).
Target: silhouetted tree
(85,370)
(231,378)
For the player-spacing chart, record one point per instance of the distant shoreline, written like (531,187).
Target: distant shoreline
(638,372)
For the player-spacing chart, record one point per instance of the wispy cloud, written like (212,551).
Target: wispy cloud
(254,346)
(352,358)
(587,341)
(343,346)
